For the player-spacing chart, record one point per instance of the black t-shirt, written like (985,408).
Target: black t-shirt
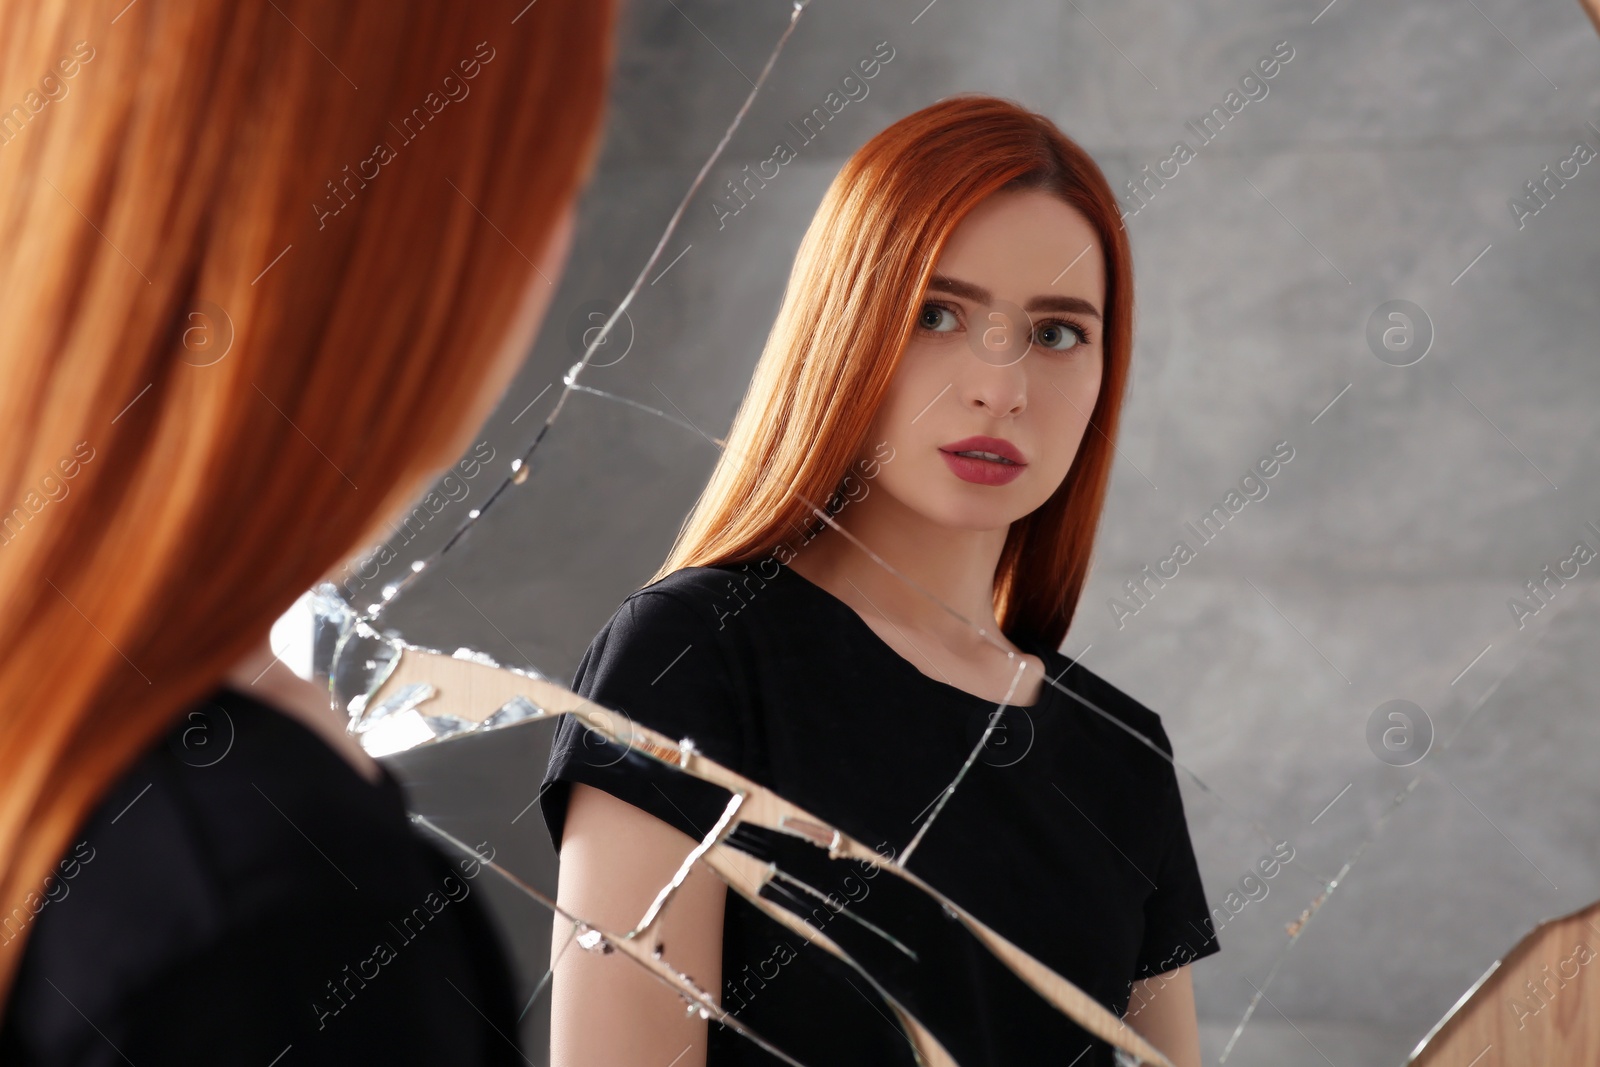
(242,895)
(1067,836)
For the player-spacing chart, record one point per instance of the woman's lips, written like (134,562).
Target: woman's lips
(1001,462)
(982,471)
(996,446)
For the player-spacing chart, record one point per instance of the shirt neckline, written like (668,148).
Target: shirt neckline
(888,651)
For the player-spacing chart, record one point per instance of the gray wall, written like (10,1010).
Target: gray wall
(1379,167)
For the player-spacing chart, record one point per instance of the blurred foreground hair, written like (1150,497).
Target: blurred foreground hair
(259,257)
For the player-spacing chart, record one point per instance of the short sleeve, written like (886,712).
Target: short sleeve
(1177,918)
(657,662)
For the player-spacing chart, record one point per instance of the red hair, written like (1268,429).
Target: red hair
(852,299)
(192,162)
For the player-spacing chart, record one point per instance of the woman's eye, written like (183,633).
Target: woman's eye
(936,318)
(1057,336)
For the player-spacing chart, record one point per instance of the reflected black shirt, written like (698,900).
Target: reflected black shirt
(1067,836)
(243,895)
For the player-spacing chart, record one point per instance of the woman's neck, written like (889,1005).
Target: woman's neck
(955,566)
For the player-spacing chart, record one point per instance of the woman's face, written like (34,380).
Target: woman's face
(1005,359)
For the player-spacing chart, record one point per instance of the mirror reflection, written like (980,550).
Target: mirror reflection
(1330,659)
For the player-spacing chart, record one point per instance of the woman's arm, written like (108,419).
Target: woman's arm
(606,1010)
(1162,1011)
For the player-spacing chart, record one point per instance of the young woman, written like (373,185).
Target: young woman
(268,264)
(946,373)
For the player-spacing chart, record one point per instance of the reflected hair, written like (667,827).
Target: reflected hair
(196,165)
(859,279)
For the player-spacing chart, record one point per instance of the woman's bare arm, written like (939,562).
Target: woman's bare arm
(1162,1011)
(606,1009)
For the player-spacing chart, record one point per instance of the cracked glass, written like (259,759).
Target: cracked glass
(1370,664)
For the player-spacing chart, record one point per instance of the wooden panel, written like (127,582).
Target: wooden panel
(1537,1007)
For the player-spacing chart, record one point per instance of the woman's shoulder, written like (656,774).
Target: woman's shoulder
(214,810)
(679,621)
(693,583)
(709,587)
(241,859)
(663,660)
(204,835)
(701,600)
(1108,704)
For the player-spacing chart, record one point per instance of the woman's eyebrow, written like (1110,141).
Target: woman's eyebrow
(979,295)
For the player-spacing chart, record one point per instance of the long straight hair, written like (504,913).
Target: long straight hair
(259,256)
(858,281)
